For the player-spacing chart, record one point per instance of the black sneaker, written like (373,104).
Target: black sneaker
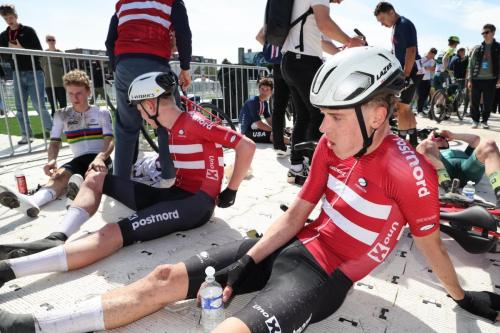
(298,177)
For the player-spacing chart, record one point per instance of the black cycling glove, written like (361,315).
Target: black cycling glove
(481,303)
(237,271)
(226,198)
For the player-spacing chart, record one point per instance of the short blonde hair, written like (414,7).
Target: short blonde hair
(76,78)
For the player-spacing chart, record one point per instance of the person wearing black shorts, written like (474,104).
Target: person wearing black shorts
(89,133)
(303,272)
(405,48)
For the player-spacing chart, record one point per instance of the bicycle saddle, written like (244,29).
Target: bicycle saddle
(469,241)
(474,216)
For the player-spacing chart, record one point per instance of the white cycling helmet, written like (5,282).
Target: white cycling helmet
(353,76)
(151,85)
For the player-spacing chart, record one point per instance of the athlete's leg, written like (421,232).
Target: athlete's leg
(488,153)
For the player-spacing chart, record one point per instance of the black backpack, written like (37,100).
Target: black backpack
(278,22)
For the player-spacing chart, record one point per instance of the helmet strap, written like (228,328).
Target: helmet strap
(155,116)
(367,140)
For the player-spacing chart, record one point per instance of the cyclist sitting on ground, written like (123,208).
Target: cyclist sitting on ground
(89,133)
(362,215)
(255,119)
(480,157)
(196,149)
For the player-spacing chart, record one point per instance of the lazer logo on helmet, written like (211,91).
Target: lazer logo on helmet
(414,163)
(153,218)
(384,71)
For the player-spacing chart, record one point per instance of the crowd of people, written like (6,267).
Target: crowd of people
(302,272)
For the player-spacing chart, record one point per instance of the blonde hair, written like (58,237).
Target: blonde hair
(76,78)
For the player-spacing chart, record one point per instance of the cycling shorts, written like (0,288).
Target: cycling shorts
(79,165)
(408,94)
(293,289)
(463,165)
(259,136)
(159,211)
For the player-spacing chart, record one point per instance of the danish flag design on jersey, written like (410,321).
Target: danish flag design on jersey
(196,149)
(366,203)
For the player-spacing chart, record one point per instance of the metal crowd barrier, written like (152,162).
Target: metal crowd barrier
(225,85)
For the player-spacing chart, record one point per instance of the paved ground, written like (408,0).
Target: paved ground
(400,296)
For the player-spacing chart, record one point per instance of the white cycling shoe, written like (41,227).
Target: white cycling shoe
(20,202)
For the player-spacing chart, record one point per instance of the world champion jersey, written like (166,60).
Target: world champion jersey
(84,131)
(196,149)
(366,203)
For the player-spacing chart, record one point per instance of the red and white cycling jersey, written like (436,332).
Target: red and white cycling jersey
(196,148)
(366,203)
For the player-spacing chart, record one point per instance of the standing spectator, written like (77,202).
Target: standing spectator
(97,80)
(427,67)
(405,48)
(302,57)
(53,77)
(483,75)
(138,42)
(458,66)
(496,103)
(281,96)
(30,80)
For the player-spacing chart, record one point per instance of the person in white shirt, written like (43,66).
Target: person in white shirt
(427,66)
(302,57)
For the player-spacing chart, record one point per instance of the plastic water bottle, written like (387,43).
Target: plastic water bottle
(469,190)
(212,308)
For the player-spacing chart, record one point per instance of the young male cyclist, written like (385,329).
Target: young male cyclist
(89,132)
(303,272)
(196,149)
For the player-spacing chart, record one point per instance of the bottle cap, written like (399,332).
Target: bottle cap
(210,271)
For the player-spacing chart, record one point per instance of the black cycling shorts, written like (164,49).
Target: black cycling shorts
(294,290)
(80,164)
(159,211)
(259,136)
(407,94)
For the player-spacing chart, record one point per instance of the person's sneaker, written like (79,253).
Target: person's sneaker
(298,177)
(6,273)
(9,198)
(485,125)
(74,183)
(283,153)
(475,125)
(24,140)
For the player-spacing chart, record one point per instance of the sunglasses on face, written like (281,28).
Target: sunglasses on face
(484,33)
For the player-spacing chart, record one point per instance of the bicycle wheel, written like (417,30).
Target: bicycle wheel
(215,114)
(438,106)
(459,99)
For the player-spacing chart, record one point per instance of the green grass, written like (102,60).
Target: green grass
(36,126)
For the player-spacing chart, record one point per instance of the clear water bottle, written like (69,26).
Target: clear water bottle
(212,308)
(469,190)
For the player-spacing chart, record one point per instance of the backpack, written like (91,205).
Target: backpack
(278,23)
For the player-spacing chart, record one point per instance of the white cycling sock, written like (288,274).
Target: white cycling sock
(72,221)
(51,260)
(296,167)
(43,195)
(86,316)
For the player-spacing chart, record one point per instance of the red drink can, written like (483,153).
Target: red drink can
(22,187)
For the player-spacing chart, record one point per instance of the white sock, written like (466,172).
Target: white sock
(296,167)
(43,195)
(72,221)
(86,316)
(51,260)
